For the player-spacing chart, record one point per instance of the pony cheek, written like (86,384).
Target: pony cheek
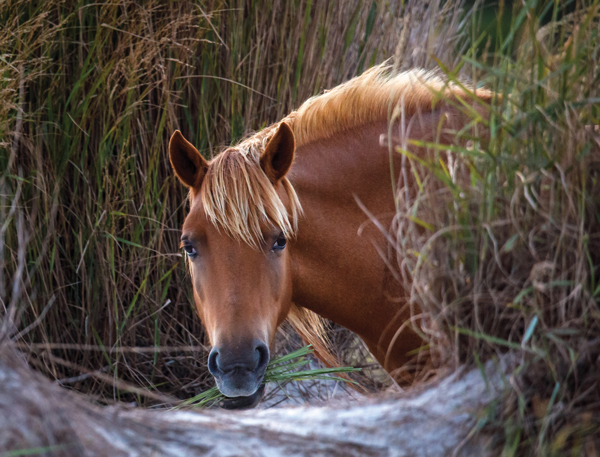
(276,305)
(285,303)
(284,311)
(281,285)
(200,306)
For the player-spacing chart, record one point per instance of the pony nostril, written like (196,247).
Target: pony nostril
(213,362)
(263,357)
(242,361)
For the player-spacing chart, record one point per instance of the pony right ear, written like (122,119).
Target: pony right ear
(189,166)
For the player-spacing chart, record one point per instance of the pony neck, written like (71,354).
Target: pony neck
(337,271)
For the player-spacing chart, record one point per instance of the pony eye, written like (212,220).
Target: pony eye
(279,243)
(189,250)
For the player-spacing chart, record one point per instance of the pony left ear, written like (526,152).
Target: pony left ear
(278,156)
(187,163)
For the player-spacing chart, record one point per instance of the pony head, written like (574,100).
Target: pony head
(243,214)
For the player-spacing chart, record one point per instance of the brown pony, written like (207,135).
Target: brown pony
(275,228)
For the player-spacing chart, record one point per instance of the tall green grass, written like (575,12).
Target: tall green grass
(90,211)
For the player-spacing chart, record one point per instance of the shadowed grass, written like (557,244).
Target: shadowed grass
(90,211)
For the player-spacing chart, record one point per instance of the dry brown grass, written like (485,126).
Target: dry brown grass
(499,245)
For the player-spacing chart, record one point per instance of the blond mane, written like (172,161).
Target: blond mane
(370,98)
(237,195)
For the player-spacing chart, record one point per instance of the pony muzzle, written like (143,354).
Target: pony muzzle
(239,372)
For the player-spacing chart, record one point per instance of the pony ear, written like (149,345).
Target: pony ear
(189,166)
(277,158)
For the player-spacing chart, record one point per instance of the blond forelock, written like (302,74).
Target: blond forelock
(239,198)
